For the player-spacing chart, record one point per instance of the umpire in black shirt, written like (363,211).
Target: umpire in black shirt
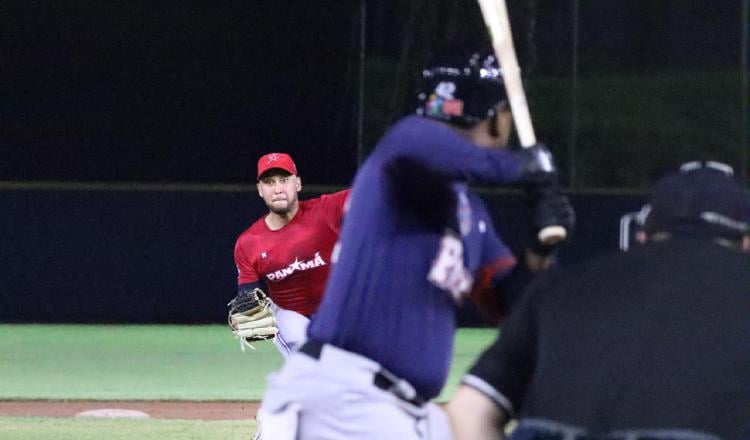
(653,343)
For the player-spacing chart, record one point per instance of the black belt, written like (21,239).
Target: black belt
(383,379)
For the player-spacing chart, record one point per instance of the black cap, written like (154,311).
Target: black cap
(701,198)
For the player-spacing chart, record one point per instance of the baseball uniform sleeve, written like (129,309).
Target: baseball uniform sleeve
(334,206)
(440,148)
(246,272)
(496,264)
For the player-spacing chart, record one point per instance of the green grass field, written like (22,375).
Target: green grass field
(147,362)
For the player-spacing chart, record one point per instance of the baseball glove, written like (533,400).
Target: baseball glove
(250,317)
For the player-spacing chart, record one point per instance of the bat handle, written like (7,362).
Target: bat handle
(552,235)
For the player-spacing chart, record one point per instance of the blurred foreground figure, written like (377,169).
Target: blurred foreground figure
(415,244)
(653,343)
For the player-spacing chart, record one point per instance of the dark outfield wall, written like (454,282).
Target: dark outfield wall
(145,254)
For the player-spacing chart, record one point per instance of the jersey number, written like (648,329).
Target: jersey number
(448,271)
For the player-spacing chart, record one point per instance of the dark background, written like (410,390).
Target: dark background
(195,91)
(140,254)
(129,131)
(173,91)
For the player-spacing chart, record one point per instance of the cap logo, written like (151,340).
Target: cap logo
(445,90)
(442,102)
(273,157)
(444,107)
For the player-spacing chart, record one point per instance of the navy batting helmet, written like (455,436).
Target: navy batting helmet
(462,93)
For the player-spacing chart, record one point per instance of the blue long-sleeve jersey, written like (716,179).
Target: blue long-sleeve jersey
(393,290)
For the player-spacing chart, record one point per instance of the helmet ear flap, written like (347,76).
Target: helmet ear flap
(493,131)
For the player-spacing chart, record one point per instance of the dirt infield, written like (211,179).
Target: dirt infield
(155,409)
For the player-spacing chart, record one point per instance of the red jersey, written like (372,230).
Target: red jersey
(295,260)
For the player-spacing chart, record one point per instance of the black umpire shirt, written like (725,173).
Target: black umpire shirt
(655,338)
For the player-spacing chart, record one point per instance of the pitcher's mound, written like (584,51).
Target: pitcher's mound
(113,413)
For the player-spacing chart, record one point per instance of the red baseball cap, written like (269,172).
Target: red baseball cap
(276,160)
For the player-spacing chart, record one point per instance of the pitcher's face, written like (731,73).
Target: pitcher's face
(279,189)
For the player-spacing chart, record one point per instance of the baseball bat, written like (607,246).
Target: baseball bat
(495,15)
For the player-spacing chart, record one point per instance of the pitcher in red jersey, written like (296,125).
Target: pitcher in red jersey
(287,252)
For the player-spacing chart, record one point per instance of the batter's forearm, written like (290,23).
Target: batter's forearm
(474,416)
(442,149)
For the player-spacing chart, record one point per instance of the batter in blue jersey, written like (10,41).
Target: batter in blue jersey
(414,245)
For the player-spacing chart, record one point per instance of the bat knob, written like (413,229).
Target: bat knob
(552,235)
